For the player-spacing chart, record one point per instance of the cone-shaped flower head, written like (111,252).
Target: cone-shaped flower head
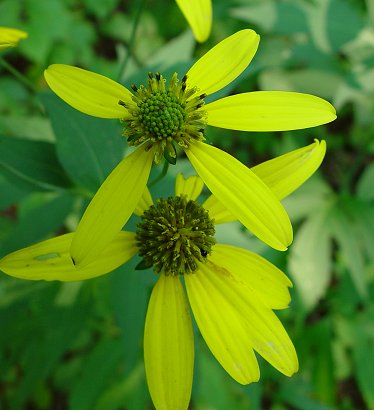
(232,292)
(198,13)
(9,37)
(164,114)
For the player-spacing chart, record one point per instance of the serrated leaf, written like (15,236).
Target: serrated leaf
(31,164)
(87,147)
(310,258)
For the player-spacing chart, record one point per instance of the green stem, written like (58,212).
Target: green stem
(161,174)
(130,46)
(19,76)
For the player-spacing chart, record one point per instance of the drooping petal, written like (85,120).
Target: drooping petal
(269,111)
(243,194)
(144,203)
(191,186)
(268,282)
(284,174)
(198,13)
(221,324)
(9,37)
(224,62)
(111,207)
(88,92)
(50,259)
(168,345)
(228,299)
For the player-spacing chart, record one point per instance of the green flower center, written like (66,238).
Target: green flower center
(162,116)
(174,235)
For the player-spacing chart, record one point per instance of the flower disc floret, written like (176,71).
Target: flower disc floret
(174,235)
(162,115)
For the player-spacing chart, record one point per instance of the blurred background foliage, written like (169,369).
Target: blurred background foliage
(79,345)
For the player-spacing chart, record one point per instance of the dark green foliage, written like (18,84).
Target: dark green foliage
(79,345)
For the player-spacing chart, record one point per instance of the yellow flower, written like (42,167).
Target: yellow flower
(232,292)
(9,37)
(159,116)
(198,14)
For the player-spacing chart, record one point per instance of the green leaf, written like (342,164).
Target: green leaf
(95,375)
(10,193)
(343,23)
(323,374)
(131,390)
(345,233)
(299,394)
(41,219)
(39,43)
(53,331)
(173,52)
(31,164)
(102,8)
(87,147)
(366,183)
(310,258)
(213,387)
(30,127)
(290,18)
(323,83)
(129,300)
(363,356)
(308,199)
(261,13)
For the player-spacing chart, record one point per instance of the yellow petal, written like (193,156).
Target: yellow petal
(269,111)
(144,203)
(284,174)
(217,210)
(221,324)
(50,259)
(198,13)
(191,187)
(243,194)
(9,37)
(268,282)
(224,62)
(169,346)
(111,207)
(225,301)
(88,92)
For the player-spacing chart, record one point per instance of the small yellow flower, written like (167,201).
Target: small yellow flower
(9,37)
(198,14)
(232,292)
(160,116)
